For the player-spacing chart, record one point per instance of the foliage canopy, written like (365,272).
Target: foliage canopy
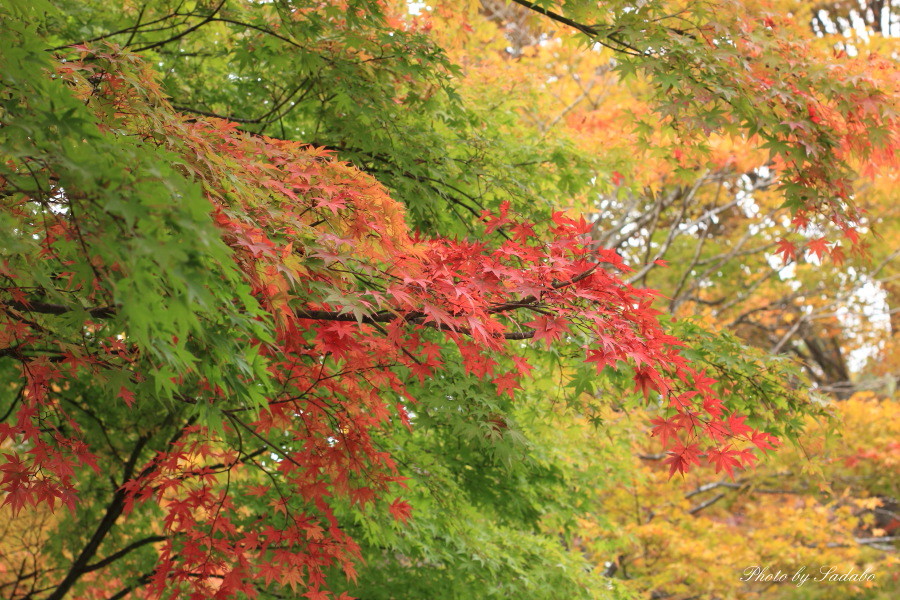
(294,289)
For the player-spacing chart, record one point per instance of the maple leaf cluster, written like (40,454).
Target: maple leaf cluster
(336,307)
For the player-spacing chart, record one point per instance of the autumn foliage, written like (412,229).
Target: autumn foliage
(223,344)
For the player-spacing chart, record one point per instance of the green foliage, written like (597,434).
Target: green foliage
(208,296)
(164,263)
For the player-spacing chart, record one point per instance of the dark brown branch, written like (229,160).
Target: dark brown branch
(589,30)
(131,29)
(529,302)
(46,308)
(264,119)
(181,34)
(317,315)
(382,317)
(126,550)
(206,113)
(142,580)
(287,40)
(113,511)
(585,29)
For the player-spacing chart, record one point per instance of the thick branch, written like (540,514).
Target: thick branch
(593,32)
(530,302)
(126,550)
(47,308)
(113,511)
(382,317)
(585,29)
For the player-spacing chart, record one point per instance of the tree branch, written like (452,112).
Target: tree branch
(127,549)
(181,34)
(113,510)
(585,29)
(47,308)
(706,503)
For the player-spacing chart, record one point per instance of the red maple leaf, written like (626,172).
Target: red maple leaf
(600,358)
(717,430)
(126,395)
(787,250)
(681,457)
(333,204)
(723,458)
(683,401)
(665,429)
(292,576)
(818,246)
(400,510)
(737,426)
(522,365)
(269,571)
(837,255)
(763,440)
(507,383)
(548,328)
(748,457)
